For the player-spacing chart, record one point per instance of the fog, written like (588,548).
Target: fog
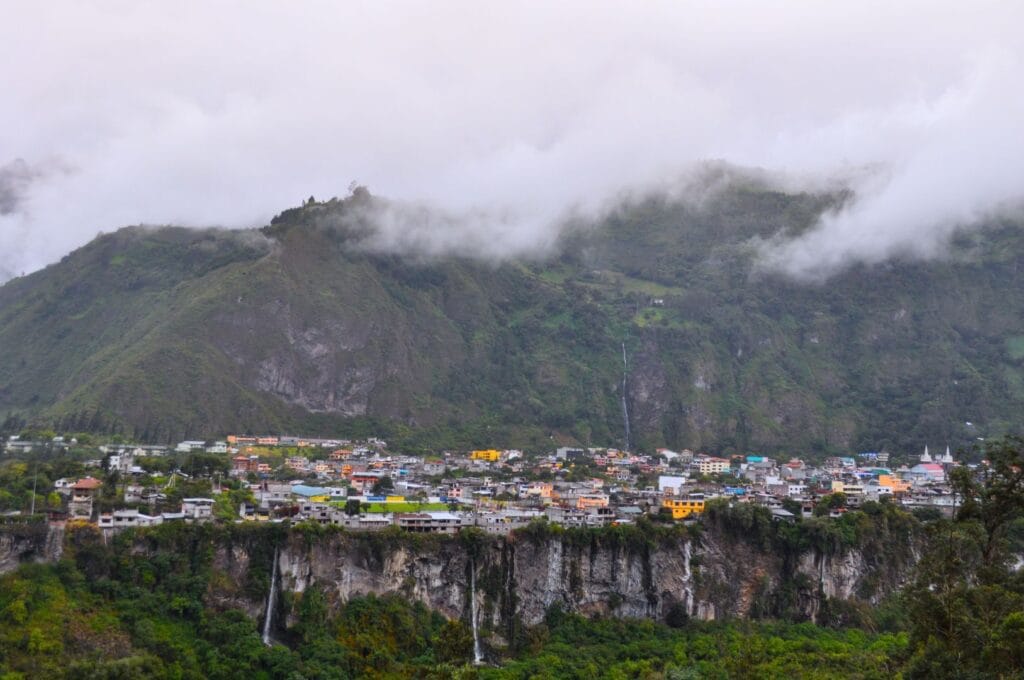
(504,119)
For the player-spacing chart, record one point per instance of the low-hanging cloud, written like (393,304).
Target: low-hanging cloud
(505,119)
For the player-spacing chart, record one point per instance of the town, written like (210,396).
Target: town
(362,486)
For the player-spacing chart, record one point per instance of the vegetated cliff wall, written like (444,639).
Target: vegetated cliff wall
(658,572)
(667,575)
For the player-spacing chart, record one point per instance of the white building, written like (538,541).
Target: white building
(198,509)
(671,484)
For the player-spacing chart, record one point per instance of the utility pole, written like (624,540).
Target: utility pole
(35,478)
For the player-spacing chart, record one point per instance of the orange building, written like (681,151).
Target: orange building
(895,483)
(592,500)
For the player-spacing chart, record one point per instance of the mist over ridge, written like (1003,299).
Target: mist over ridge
(494,126)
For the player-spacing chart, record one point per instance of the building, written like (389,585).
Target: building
(684,507)
(591,500)
(241,464)
(569,453)
(713,466)
(897,485)
(126,519)
(82,494)
(671,484)
(429,522)
(489,455)
(197,509)
(927,472)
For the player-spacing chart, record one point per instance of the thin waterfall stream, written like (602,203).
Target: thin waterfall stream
(625,409)
(478,655)
(268,619)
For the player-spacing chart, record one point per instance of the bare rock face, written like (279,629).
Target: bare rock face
(520,578)
(29,543)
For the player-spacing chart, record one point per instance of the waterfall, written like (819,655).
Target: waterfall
(268,619)
(687,578)
(625,409)
(54,542)
(478,655)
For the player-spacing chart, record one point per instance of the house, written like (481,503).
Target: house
(429,522)
(63,486)
(242,464)
(927,472)
(489,455)
(569,453)
(670,484)
(190,445)
(540,490)
(591,500)
(270,494)
(682,508)
(126,519)
(297,463)
(897,485)
(133,493)
(711,465)
(197,509)
(82,494)
(434,467)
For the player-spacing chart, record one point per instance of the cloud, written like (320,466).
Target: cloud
(505,118)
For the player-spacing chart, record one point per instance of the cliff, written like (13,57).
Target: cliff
(22,542)
(664,574)
(735,564)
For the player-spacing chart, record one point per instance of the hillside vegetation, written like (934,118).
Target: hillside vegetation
(305,326)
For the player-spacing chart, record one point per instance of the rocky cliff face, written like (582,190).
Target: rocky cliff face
(21,543)
(518,578)
(663,574)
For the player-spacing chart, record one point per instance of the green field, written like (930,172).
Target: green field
(404,507)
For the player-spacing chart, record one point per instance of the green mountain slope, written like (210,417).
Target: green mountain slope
(167,333)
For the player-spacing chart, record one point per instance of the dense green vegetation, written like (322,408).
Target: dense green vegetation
(569,646)
(166,333)
(148,623)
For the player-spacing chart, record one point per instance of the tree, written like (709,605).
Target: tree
(965,601)
(382,486)
(828,503)
(993,494)
(454,641)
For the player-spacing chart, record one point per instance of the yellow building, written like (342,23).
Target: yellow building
(490,455)
(683,507)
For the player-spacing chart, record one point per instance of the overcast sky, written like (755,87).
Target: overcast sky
(224,113)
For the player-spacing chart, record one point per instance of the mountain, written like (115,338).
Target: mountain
(310,325)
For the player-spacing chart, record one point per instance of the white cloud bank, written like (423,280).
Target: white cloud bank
(224,113)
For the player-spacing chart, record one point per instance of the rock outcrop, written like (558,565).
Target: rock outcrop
(520,577)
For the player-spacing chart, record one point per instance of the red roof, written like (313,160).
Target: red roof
(87,483)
